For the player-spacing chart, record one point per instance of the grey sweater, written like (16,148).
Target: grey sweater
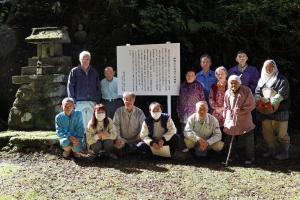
(128,124)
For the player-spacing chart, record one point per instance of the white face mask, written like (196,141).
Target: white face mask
(155,115)
(100,116)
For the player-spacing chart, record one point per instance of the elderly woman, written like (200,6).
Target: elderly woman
(217,93)
(191,91)
(239,102)
(273,90)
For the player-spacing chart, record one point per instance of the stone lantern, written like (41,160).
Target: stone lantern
(42,82)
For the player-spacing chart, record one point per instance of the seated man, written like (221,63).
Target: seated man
(158,130)
(128,121)
(70,128)
(202,131)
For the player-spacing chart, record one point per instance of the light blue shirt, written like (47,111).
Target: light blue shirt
(67,126)
(109,89)
(207,80)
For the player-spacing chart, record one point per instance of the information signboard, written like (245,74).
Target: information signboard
(149,69)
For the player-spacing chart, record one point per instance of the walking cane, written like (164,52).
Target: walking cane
(229,151)
(232,138)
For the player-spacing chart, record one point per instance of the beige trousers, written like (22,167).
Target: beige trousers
(271,128)
(218,146)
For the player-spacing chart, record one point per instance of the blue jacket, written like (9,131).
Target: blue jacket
(84,86)
(67,126)
(206,81)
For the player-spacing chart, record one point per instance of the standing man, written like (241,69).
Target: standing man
(109,91)
(69,129)
(249,74)
(128,121)
(84,86)
(206,76)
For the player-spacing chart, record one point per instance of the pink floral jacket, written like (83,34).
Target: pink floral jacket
(238,118)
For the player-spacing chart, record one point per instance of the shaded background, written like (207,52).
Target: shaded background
(264,28)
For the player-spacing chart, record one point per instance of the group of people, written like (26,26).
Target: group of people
(236,99)
(210,107)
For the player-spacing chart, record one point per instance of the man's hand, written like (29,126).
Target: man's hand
(119,143)
(161,143)
(156,146)
(236,111)
(74,141)
(203,144)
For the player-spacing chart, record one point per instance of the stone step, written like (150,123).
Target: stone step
(56,61)
(49,69)
(23,139)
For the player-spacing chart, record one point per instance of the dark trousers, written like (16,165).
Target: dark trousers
(126,150)
(112,106)
(245,142)
(144,149)
(105,145)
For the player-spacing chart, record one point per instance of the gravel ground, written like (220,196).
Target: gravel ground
(47,176)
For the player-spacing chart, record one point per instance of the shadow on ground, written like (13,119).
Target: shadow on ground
(133,164)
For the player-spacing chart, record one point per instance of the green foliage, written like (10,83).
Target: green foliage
(157,19)
(264,28)
(205,26)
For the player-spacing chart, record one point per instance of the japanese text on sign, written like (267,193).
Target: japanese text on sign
(149,69)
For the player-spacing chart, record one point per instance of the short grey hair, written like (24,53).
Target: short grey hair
(127,93)
(109,68)
(68,99)
(200,103)
(154,104)
(221,68)
(84,53)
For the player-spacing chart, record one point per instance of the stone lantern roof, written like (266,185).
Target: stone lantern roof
(48,35)
(49,41)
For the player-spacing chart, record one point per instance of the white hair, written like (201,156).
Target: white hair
(68,99)
(128,93)
(234,78)
(200,103)
(84,53)
(221,68)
